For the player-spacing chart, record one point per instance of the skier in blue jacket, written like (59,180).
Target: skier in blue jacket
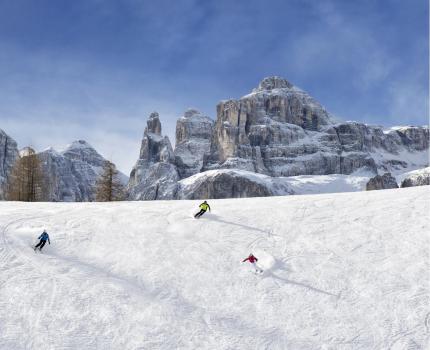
(43,238)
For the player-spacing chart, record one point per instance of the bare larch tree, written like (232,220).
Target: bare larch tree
(27,182)
(109,186)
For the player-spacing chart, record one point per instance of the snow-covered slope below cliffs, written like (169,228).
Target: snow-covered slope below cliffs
(334,183)
(227,183)
(342,271)
(402,162)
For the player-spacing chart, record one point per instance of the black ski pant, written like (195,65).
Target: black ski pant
(200,213)
(41,244)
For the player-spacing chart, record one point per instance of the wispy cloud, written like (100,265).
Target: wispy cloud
(96,69)
(46,103)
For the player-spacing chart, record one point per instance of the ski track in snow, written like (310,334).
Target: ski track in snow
(342,271)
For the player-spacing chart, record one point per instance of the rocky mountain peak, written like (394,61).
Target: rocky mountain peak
(191,112)
(73,173)
(275,82)
(81,150)
(78,144)
(153,124)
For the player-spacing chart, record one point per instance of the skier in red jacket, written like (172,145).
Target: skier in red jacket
(253,260)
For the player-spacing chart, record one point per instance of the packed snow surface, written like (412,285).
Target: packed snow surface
(342,271)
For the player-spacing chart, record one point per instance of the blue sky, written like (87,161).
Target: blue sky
(94,69)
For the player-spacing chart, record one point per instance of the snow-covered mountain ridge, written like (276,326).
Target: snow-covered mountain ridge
(277,130)
(342,271)
(70,174)
(73,172)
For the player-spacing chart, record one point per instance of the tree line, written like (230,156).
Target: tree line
(28,182)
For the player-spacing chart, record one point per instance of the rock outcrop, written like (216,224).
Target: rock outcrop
(8,155)
(381,182)
(419,177)
(226,183)
(154,176)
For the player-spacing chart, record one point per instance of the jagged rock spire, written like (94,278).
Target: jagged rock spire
(153,124)
(154,176)
(155,148)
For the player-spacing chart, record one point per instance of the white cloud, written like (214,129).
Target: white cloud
(407,100)
(338,42)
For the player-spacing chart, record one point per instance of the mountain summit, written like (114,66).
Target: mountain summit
(275,82)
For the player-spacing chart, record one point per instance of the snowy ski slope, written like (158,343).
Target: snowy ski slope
(343,271)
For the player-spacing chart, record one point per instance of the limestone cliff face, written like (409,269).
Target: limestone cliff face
(193,142)
(8,155)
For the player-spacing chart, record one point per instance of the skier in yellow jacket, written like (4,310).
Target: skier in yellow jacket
(203,208)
